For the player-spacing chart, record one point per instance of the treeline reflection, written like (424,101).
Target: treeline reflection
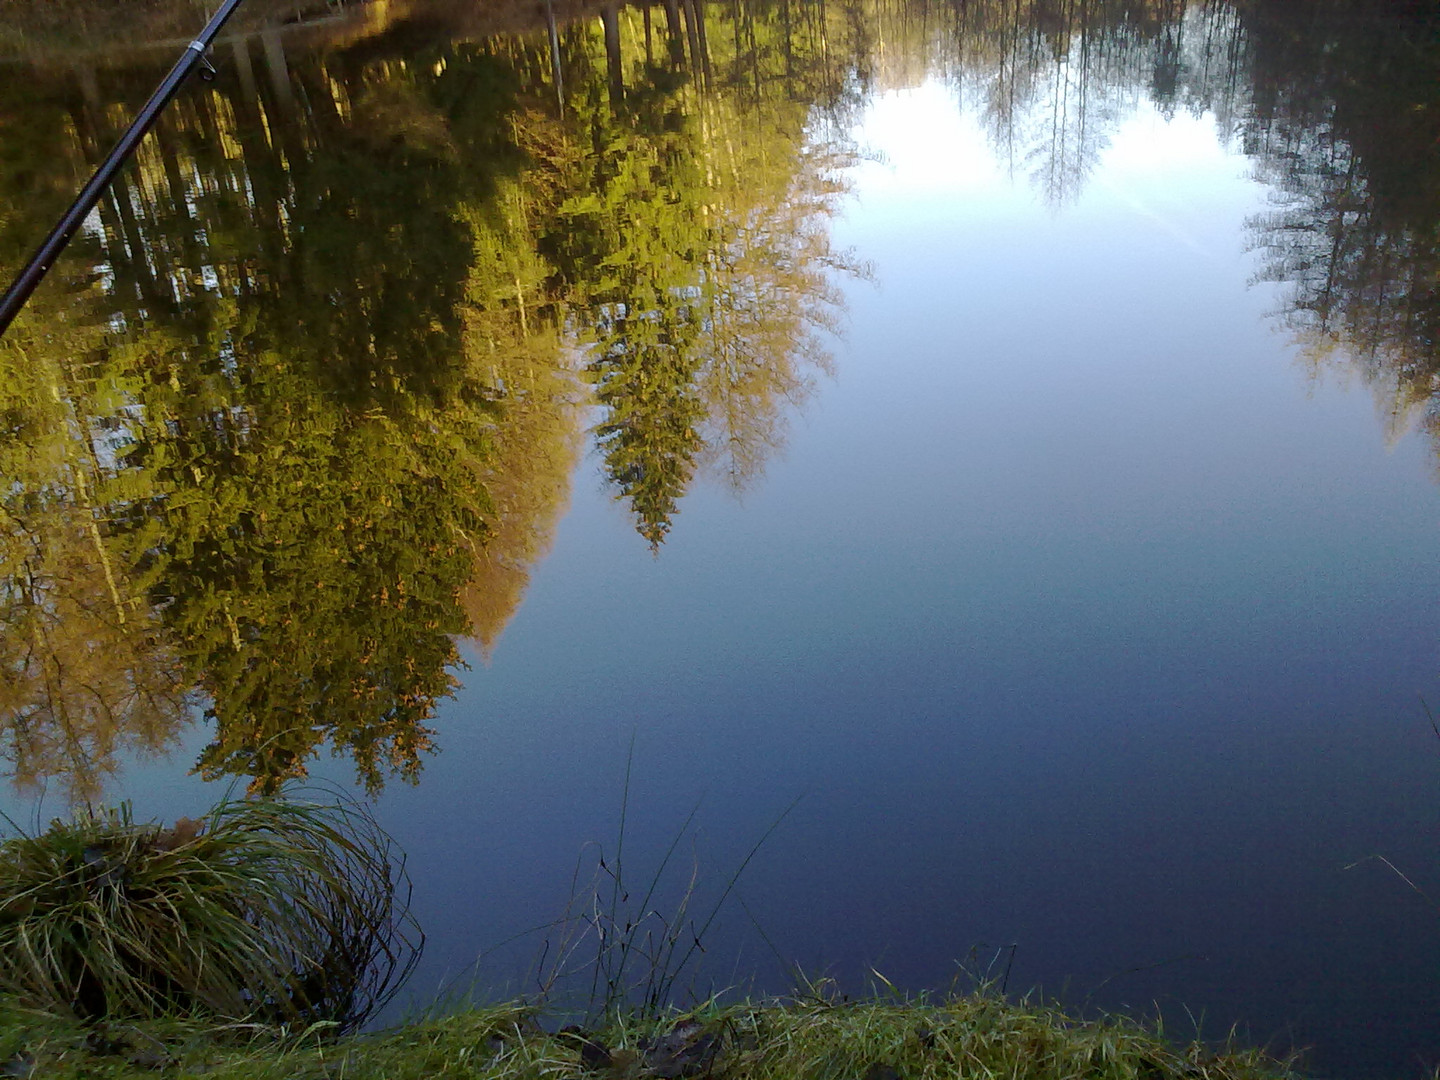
(305,404)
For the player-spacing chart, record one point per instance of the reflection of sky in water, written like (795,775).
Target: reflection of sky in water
(1079,614)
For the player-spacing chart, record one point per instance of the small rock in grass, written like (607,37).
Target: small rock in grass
(624,1063)
(99,1043)
(150,1057)
(593,1054)
(686,1050)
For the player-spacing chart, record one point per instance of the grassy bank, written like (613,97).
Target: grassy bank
(252,943)
(972,1036)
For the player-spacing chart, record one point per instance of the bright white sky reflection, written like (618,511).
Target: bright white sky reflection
(928,151)
(925,145)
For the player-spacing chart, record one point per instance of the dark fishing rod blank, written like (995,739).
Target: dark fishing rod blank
(45,256)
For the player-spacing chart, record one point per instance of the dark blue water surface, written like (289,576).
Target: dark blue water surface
(1084,597)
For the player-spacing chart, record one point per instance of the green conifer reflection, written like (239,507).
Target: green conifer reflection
(303,406)
(335,344)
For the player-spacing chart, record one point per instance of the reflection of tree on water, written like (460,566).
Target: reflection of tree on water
(513,333)
(1336,106)
(696,258)
(85,670)
(1354,240)
(304,412)
(346,405)
(1052,79)
(316,411)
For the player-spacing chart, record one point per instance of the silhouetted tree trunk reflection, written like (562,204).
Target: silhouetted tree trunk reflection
(614,63)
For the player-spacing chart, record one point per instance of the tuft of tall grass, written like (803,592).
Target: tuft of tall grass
(632,953)
(273,910)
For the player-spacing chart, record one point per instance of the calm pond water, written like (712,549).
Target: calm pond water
(1007,428)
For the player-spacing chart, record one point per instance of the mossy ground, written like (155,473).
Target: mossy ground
(981,1036)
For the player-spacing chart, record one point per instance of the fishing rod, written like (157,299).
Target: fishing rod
(45,256)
